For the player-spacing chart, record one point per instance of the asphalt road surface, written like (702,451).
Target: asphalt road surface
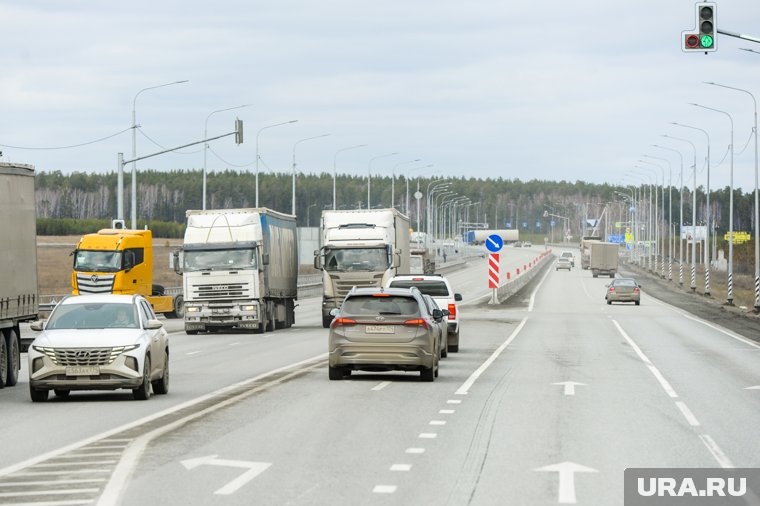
(552,395)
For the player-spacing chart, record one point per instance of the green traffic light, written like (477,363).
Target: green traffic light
(706,40)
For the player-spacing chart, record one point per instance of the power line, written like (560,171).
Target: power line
(66,147)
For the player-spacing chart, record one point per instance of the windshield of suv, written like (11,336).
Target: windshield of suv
(214,260)
(431,287)
(97,261)
(93,316)
(372,305)
(356,259)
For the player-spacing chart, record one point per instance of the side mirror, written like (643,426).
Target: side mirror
(265,259)
(175,260)
(317,260)
(457,297)
(437,314)
(334,312)
(129,260)
(37,325)
(445,312)
(154,325)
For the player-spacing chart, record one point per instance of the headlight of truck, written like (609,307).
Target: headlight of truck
(250,307)
(192,309)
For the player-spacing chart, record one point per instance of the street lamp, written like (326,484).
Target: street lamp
(393,180)
(134,149)
(670,214)
(293,199)
(660,240)
(437,185)
(730,291)
(259,157)
(693,213)
(757,207)
(707,220)
(308,209)
(680,223)
(205,144)
(369,174)
(335,160)
(406,178)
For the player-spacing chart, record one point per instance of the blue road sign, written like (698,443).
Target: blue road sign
(553,223)
(538,224)
(494,243)
(508,224)
(525,224)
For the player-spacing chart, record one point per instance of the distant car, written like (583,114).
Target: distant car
(379,329)
(518,244)
(623,290)
(569,255)
(563,263)
(99,342)
(438,287)
(527,244)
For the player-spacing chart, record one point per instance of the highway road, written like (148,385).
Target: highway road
(552,395)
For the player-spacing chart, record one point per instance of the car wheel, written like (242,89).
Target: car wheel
(191,332)
(13,360)
(637,302)
(38,395)
(61,393)
(326,321)
(142,393)
(445,348)
(335,373)
(161,386)
(428,374)
(609,302)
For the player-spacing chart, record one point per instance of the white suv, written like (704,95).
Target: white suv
(439,288)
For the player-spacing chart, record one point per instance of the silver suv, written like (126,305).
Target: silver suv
(440,289)
(380,329)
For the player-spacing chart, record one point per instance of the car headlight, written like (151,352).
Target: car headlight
(250,307)
(192,309)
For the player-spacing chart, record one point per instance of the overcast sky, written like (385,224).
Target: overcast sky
(548,89)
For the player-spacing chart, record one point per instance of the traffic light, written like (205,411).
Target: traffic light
(703,36)
(238,131)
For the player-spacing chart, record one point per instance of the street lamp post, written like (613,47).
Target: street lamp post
(436,212)
(757,206)
(134,147)
(258,157)
(730,289)
(707,218)
(335,160)
(393,181)
(661,240)
(205,144)
(369,175)
(693,214)
(670,215)
(680,223)
(437,185)
(655,227)
(308,209)
(406,178)
(293,198)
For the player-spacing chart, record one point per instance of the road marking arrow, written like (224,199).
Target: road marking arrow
(254,469)
(570,386)
(567,472)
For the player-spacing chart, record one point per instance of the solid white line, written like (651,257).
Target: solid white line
(51,482)
(415,450)
(428,435)
(465,388)
(192,352)
(535,291)
(384,489)
(446,411)
(660,378)
(717,453)
(437,422)
(722,330)
(688,414)
(381,385)
(401,467)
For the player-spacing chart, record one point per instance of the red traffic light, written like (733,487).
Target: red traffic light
(692,41)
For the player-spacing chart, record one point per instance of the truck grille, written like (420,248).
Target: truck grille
(82,356)
(221,291)
(344,286)
(95,283)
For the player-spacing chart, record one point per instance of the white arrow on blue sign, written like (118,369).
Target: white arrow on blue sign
(494,243)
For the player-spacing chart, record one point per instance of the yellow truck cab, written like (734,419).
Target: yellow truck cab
(120,261)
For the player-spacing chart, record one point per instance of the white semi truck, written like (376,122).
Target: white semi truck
(362,248)
(239,270)
(19,300)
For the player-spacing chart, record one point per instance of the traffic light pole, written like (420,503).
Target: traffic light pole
(739,36)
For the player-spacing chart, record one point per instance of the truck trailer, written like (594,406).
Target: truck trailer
(19,300)
(239,270)
(604,258)
(363,248)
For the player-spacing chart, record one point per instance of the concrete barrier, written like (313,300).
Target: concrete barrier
(513,285)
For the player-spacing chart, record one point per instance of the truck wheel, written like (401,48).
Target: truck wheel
(595,274)
(191,332)
(157,290)
(270,326)
(3,359)
(335,373)
(14,359)
(179,308)
(326,321)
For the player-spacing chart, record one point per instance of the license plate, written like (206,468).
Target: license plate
(380,329)
(83,370)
